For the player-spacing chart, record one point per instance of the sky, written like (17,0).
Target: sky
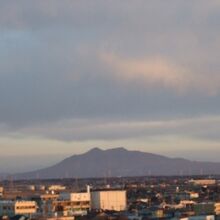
(81,74)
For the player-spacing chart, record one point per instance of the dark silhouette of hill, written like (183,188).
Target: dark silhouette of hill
(121,162)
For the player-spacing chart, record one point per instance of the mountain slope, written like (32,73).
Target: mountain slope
(121,162)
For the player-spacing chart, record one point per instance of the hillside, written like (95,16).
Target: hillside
(121,162)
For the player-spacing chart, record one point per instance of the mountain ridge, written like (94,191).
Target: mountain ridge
(121,162)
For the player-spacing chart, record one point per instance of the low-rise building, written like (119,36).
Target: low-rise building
(204,182)
(1,191)
(202,217)
(11,208)
(79,201)
(217,208)
(58,218)
(56,188)
(205,208)
(194,195)
(109,200)
(75,203)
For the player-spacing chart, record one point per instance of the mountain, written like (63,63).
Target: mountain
(121,162)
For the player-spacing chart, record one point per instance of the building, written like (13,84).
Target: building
(57,218)
(202,217)
(109,200)
(74,203)
(45,202)
(1,191)
(79,201)
(217,208)
(11,208)
(56,188)
(194,195)
(205,208)
(204,182)
(69,204)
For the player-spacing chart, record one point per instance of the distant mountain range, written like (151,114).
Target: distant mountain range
(121,162)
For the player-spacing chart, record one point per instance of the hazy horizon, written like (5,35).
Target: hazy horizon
(139,74)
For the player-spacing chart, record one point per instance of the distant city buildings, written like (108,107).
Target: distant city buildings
(131,198)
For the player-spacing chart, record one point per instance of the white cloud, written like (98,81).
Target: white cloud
(154,70)
(161,71)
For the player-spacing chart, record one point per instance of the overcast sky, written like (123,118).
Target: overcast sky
(103,73)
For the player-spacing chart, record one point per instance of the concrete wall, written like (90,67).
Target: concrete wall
(109,200)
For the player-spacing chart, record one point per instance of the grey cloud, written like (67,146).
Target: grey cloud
(51,72)
(52,89)
(201,128)
(156,15)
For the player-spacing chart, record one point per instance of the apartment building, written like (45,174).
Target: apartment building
(11,208)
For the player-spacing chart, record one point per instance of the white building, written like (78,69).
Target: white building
(194,195)
(203,182)
(76,197)
(202,217)
(76,201)
(109,200)
(79,201)
(11,208)
(56,188)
